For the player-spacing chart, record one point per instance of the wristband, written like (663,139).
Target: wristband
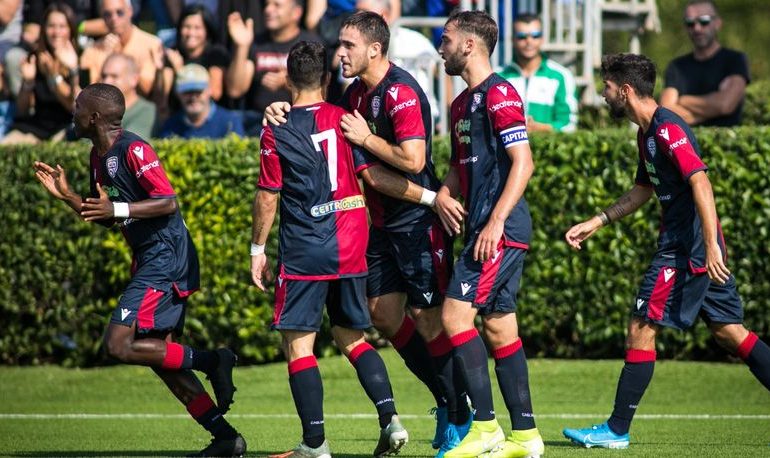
(363,143)
(605,219)
(428,197)
(257,250)
(81,28)
(120,209)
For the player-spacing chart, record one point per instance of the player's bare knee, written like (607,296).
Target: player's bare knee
(117,348)
(386,321)
(728,336)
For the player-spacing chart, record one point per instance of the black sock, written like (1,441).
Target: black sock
(440,350)
(756,355)
(513,378)
(202,360)
(374,379)
(412,348)
(308,393)
(636,375)
(470,357)
(208,415)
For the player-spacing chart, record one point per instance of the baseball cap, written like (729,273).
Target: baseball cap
(192,77)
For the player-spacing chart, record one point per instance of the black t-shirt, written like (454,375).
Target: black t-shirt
(699,77)
(269,56)
(214,55)
(49,116)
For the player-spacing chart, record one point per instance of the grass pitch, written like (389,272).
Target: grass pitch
(690,409)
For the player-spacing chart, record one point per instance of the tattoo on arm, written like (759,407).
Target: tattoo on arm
(619,208)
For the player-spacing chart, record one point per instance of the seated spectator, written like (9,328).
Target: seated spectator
(547,88)
(49,81)
(199,117)
(258,69)
(196,38)
(126,38)
(122,72)
(707,86)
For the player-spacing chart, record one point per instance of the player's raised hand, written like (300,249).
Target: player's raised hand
(260,271)
(52,179)
(275,113)
(715,264)
(355,128)
(97,208)
(450,212)
(579,232)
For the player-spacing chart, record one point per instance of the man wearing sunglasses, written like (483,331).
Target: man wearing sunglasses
(548,89)
(707,86)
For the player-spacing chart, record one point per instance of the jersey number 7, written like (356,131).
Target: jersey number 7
(330,137)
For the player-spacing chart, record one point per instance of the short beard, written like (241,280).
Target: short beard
(453,66)
(617,108)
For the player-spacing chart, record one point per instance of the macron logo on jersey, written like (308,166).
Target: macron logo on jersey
(139,151)
(664,133)
(503,89)
(393,93)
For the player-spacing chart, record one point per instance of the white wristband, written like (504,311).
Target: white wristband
(256,250)
(120,209)
(428,197)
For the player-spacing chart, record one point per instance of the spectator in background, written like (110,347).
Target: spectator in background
(10,33)
(126,38)
(258,69)
(248,9)
(122,72)
(49,81)
(196,44)
(547,88)
(199,117)
(707,86)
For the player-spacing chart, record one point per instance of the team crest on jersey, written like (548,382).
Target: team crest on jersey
(651,146)
(376,103)
(476,101)
(502,88)
(112,166)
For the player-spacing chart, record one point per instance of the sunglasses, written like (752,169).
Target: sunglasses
(109,14)
(702,20)
(535,34)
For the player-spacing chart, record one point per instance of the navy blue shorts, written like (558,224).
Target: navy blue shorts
(299,304)
(417,263)
(672,295)
(153,309)
(490,286)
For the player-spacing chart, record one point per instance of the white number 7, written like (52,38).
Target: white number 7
(331,154)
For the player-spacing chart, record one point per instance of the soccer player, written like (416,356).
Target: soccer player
(687,277)
(129,188)
(322,250)
(409,254)
(491,164)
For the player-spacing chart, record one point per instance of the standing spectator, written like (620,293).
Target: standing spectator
(199,117)
(128,39)
(258,69)
(248,9)
(10,34)
(688,277)
(196,44)
(548,88)
(707,86)
(49,81)
(121,71)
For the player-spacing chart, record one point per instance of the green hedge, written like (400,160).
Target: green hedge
(60,278)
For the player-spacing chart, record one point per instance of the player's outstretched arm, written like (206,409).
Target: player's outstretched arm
(408,155)
(54,180)
(704,202)
(629,203)
(395,185)
(275,113)
(263,216)
(98,209)
(449,210)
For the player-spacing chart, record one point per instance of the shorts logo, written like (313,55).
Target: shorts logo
(139,151)
(503,89)
(124,313)
(393,93)
(465,287)
(280,281)
(476,101)
(668,273)
(440,254)
(376,106)
(651,146)
(112,166)
(639,303)
(428,296)
(494,257)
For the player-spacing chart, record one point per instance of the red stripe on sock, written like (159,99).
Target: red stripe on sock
(358,351)
(174,356)
(404,333)
(300,364)
(506,351)
(200,405)
(640,356)
(744,349)
(439,346)
(463,337)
